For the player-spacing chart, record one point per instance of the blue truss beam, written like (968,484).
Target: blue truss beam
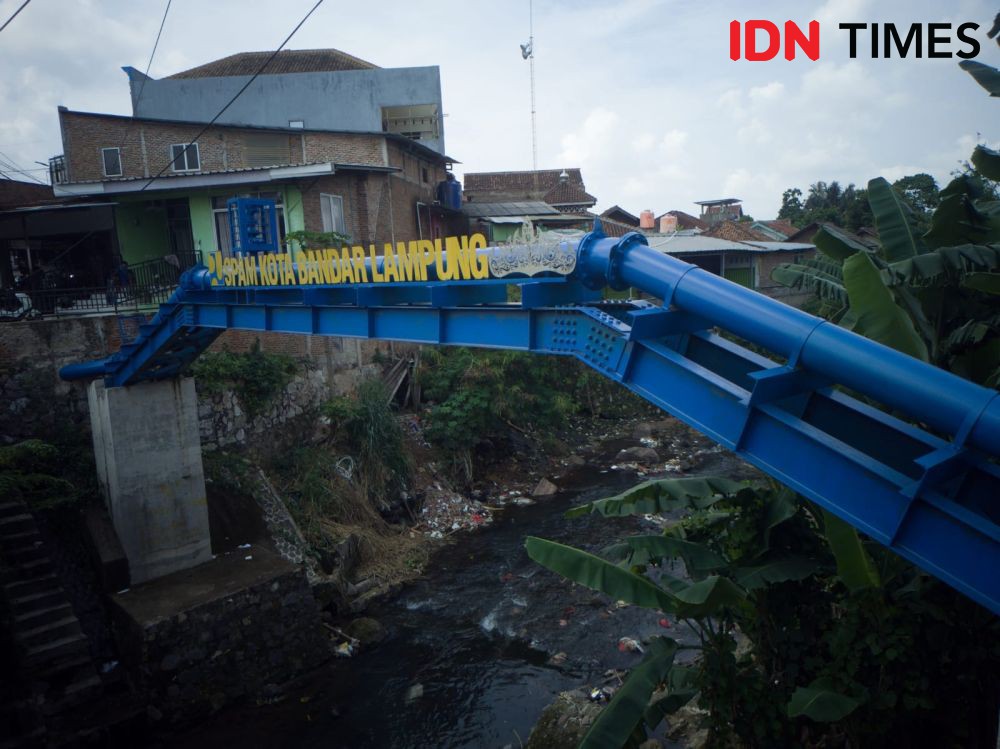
(931,494)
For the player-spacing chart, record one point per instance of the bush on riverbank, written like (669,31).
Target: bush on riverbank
(478,397)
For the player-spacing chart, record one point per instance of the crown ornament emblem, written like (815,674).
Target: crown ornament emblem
(534,258)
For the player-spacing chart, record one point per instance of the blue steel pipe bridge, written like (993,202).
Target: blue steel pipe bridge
(903,451)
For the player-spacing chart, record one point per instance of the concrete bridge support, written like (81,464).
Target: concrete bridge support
(148,455)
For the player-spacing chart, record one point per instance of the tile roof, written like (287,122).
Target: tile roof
(518,181)
(14,193)
(866,235)
(286,61)
(784,227)
(736,231)
(618,213)
(568,193)
(684,220)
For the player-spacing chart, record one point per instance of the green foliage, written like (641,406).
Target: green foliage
(826,202)
(42,475)
(820,702)
(255,377)
(367,425)
(318,240)
(479,396)
(628,707)
(986,76)
(911,293)
(837,650)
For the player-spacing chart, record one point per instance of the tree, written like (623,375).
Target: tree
(791,206)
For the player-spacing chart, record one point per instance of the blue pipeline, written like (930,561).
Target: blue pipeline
(930,394)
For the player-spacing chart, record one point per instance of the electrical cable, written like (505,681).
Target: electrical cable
(7,22)
(235,97)
(142,86)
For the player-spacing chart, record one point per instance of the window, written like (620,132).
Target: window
(265,149)
(112,158)
(220,212)
(424,175)
(332,207)
(184,157)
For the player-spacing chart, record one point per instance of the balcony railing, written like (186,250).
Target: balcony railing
(148,284)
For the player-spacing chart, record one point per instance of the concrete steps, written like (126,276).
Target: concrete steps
(56,662)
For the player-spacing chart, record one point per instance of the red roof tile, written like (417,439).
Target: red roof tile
(542,180)
(286,61)
(736,231)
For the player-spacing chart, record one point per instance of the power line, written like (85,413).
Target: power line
(7,22)
(149,64)
(235,97)
(9,163)
(142,85)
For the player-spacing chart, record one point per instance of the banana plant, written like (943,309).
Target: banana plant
(915,292)
(719,589)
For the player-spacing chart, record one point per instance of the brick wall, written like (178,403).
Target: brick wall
(145,146)
(766,263)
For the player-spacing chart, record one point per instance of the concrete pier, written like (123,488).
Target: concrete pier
(148,456)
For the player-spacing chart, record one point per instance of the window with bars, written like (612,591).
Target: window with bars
(184,157)
(112,162)
(332,208)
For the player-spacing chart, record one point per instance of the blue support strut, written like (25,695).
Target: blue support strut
(931,493)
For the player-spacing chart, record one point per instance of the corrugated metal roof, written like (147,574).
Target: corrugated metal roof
(520,208)
(677,244)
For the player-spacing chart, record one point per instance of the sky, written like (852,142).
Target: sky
(639,94)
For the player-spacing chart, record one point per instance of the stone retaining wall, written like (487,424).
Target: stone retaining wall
(34,402)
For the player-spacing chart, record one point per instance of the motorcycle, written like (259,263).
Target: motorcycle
(15,306)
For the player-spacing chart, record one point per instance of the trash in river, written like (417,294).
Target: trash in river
(558,659)
(665,623)
(597,694)
(243,546)
(248,558)
(415,692)
(344,650)
(563,622)
(628,645)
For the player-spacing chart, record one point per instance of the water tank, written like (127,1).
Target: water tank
(646,219)
(449,193)
(668,224)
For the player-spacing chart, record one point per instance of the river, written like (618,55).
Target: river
(468,658)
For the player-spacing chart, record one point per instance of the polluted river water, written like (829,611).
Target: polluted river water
(477,647)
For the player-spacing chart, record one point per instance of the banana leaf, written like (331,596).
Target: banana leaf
(708,597)
(775,571)
(662,495)
(980,364)
(854,566)
(697,557)
(987,162)
(945,264)
(599,574)
(878,315)
(800,276)
(986,76)
(894,219)
(617,722)
(964,216)
(836,244)
(988,282)
(821,702)
(681,687)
